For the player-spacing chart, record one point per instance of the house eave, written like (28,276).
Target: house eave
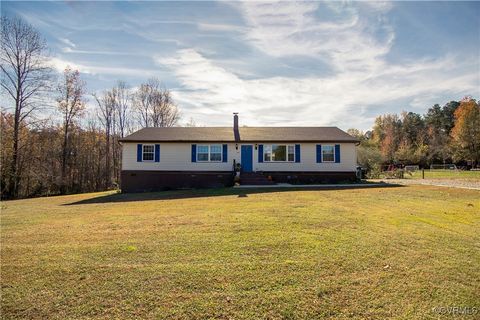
(241,141)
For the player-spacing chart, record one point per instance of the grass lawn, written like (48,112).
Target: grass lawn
(446,174)
(242,254)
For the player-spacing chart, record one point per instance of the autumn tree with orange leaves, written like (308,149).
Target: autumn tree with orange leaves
(466,132)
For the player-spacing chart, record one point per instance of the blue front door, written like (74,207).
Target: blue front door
(247,158)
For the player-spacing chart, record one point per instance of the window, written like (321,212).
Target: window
(291,153)
(328,154)
(202,153)
(211,153)
(267,153)
(216,152)
(278,152)
(148,153)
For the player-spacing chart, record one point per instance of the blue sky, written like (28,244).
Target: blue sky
(277,63)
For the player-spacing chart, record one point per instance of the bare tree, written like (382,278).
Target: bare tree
(155,105)
(121,122)
(122,107)
(142,104)
(71,104)
(191,123)
(164,112)
(25,76)
(106,106)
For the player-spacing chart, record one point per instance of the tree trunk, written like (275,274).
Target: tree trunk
(107,159)
(14,176)
(115,158)
(64,160)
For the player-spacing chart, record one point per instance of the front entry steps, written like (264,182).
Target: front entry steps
(254,178)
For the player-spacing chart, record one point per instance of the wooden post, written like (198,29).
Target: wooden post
(423,173)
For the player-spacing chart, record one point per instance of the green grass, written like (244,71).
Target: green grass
(446,174)
(232,254)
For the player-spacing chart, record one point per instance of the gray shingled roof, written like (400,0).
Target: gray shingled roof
(246,134)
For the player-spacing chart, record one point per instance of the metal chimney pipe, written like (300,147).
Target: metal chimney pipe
(235,121)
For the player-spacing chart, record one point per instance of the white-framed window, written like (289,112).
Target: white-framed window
(216,152)
(209,153)
(279,153)
(148,152)
(290,153)
(202,153)
(328,153)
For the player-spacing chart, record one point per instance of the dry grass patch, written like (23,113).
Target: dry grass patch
(282,254)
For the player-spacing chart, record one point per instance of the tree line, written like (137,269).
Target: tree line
(443,135)
(81,151)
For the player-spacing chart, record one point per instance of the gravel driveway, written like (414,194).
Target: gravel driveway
(453,183)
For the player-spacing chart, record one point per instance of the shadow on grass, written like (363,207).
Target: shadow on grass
(217,192)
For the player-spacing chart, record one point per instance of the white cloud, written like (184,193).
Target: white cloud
(354,46)
(219,27)
(379,6)
(283,29)
(353,39)
(67,42)
(103,52)
(60,64)
(208,90)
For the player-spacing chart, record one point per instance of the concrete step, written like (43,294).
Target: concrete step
(257,183)
(253,178)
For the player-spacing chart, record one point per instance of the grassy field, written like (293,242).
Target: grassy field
(446,174)
(375,253)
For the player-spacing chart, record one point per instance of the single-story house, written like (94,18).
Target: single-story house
(194,157)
